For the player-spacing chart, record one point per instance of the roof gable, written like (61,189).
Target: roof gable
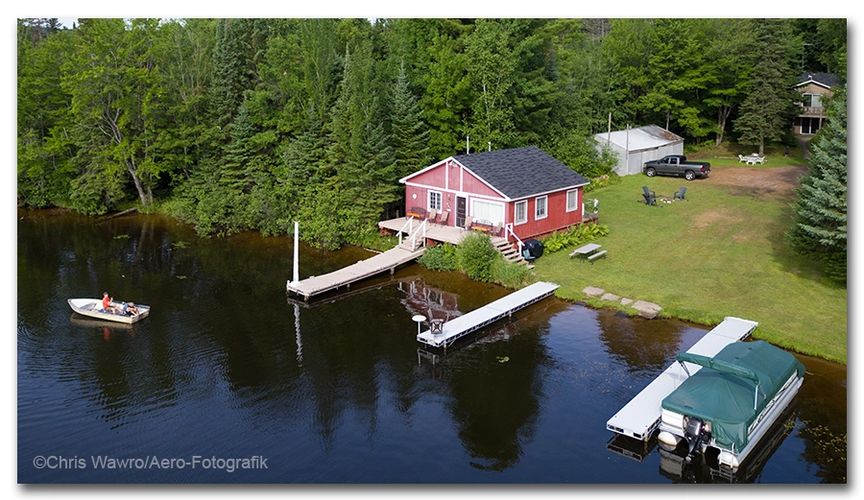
(826,80)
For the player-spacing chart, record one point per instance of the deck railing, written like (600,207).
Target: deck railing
(508,231)
(811,111)
(409,224)
(421,229)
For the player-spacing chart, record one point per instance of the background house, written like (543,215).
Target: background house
(814,88)
(635,146)
(524,187)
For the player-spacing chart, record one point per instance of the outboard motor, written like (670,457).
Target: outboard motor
(695,433)
(532,249)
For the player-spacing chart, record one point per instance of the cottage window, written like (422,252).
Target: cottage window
(521,212)
(572,200)
(540,207)
(435,200)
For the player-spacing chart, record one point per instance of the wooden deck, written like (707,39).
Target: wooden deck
(640,417)
(386,261)
(437,232)
(457,328)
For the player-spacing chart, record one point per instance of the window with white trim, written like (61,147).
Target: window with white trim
(540,211)
(572,200)
(435,200)
(520,209)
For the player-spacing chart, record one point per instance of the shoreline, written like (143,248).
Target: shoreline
(669,312)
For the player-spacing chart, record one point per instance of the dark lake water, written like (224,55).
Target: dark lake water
(226,366)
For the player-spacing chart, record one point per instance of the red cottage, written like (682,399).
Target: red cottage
(523,190)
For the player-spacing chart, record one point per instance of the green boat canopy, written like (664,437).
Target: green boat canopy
(723,392)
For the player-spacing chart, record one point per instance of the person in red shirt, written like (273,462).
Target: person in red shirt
(106,302)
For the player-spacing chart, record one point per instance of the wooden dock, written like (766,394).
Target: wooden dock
(386,261)
(458,328)
(640,417)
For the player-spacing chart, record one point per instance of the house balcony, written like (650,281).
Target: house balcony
(811,111)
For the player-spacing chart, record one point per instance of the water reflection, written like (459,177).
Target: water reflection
(643,345)
(822,425)
(332,390)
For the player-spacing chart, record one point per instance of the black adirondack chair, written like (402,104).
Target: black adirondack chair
(649,196)
(680,194)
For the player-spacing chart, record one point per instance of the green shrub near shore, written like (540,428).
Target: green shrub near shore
(477,258)
(439,258)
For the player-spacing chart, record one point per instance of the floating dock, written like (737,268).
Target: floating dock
(386,261)
(640,417)
(457,328)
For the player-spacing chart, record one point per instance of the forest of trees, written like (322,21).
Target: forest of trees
(249,124)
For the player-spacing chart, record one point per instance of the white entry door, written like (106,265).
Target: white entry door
(487,211)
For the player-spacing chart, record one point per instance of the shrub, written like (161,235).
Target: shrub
(580,153)
(475,255)
(509,274)
(602,182)
(576,235)
(439,258)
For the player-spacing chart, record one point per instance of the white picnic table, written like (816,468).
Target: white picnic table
(585,250)
(753,159)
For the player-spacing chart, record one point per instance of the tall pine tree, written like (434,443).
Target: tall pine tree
(767,110)
(409,136)
(821,210)
(233,73)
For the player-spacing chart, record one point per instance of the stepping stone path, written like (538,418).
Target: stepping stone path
(645,309)
(648,310)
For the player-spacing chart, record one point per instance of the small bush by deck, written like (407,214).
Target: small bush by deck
(477,258)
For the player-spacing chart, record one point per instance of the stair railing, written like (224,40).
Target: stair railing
(409,224)
(508,231)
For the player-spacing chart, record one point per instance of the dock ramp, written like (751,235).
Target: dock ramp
(376,264)
(640,417)
(457,328)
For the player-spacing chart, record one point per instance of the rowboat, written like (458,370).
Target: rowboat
(93,309)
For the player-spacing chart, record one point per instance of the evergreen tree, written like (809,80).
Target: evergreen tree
(409,136)
(231,61)
(767,110)
(239,155)
(303,160)
(821,210)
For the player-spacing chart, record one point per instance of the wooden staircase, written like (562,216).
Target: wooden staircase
(510,253)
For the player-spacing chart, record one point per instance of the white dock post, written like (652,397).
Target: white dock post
(296,276)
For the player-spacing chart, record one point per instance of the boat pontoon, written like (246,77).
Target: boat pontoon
(726,407)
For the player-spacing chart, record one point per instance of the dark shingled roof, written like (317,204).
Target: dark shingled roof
(521,172)
(828,79)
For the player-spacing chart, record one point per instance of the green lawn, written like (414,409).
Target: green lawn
(726,155)
(720,253)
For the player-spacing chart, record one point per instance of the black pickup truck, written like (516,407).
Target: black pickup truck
(677,165)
